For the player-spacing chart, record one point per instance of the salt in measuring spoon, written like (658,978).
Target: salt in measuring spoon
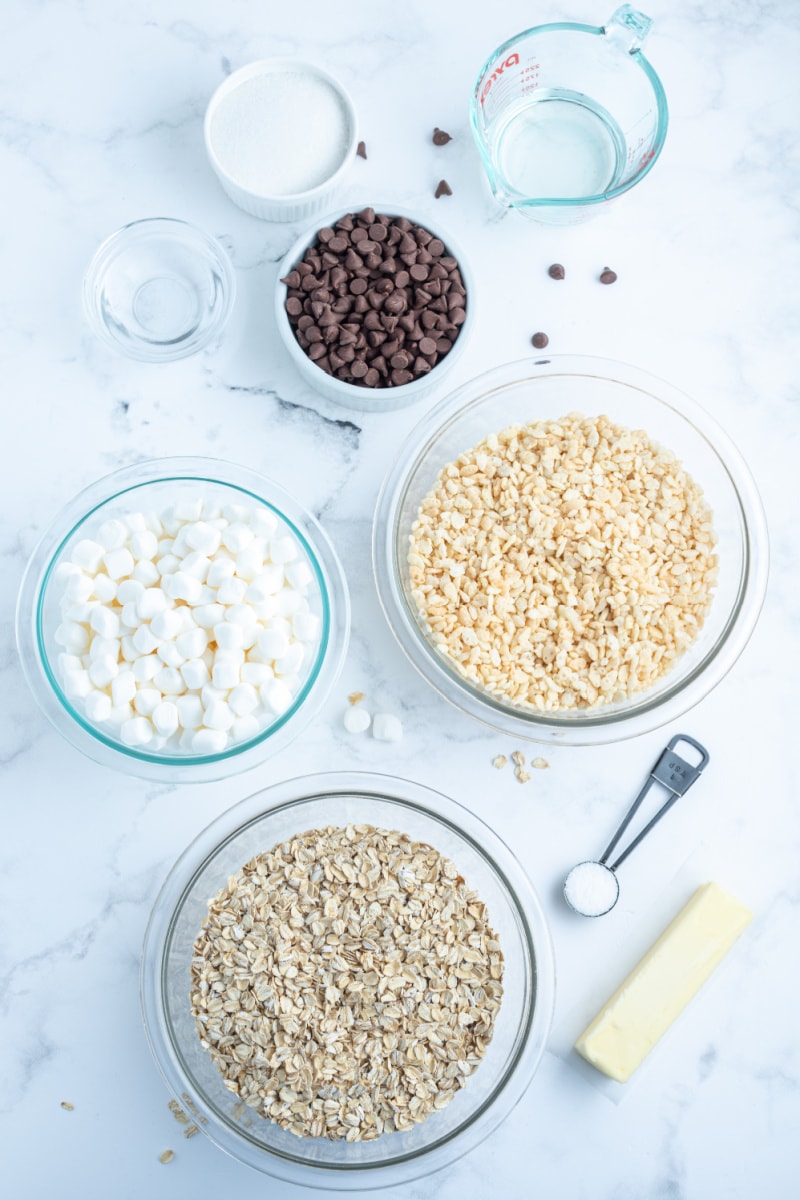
(592,888)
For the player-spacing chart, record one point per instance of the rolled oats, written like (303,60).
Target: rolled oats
(346,982)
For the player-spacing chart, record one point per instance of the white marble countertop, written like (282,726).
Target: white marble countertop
(101,110)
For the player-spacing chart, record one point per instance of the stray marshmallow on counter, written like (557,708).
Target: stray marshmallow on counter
(356,720)
(387,728)
(188,630)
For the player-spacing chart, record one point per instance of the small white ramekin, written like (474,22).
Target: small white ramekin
(287,207)
(350,395)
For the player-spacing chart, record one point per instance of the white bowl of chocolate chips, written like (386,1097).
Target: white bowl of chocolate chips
(374,307)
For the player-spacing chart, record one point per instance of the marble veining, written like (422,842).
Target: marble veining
(101,110)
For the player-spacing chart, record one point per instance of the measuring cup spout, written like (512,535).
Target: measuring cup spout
(627,28)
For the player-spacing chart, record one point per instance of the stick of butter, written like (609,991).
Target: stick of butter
(661,985)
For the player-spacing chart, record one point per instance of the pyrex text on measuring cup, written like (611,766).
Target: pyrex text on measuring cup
(569,116)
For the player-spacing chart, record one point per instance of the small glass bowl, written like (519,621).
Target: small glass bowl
(159,290)
(550,388)
(522,1024)
(366,399)
(152,486)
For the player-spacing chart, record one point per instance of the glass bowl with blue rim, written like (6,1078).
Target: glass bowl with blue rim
(136,495)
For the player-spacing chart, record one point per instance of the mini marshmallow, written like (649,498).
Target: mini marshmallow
(212,509)
(184,586)
(146,668)
(143,545)
(231,591)
(306,627)
(104,589)
(195,673)
(168,564)
(146,699)
(209,693)
(135,522)
(118,563)
(152,521)
(105,622)
(290,662)
(188,508)
(123,688)
(283,549)
(273,643)
(97,706)
(288,602)
(268,583)
(197,564)
(244,728)
(237,537)
(120,713)
(103,670)
(79,587)
(243,699)
(170,681)
(130,615)
(356,720)
(225,673)
(208,595)
(88,555)
(104,645)
(250,563)
(220,570)
(298,574)
(77,683)
(165,545)
(80,613)
(209,741)
(136,732)
(203,537)
(193,642)
(69,662)
(208,615)
(151,602)
(236,513)
(112,534)
(146,573)
(170,655)
(130,651)
(386,727)
(276,697)
(167,625)
(263,522)
(218,715)
(241,614)
(129,591)
(65,570)
(256,673)
(144,641)
(190,711)
(165,718)
(71,636)
(228,635)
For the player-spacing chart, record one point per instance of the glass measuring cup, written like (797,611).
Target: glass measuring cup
(568,116)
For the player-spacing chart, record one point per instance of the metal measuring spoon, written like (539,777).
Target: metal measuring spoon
(592,888)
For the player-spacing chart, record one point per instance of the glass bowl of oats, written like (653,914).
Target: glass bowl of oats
(570,550)
(347,981)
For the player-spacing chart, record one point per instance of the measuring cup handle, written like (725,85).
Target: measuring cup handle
(628,28)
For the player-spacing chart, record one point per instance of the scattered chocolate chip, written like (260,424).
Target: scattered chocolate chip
(608,276)
(540,340)
(440,138)
(442,189)
(376,301)
(556,271)
(361,150)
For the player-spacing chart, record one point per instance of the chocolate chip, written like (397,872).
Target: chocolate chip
(540,340)
(376,301)
(440,138)
(608,276)
(442,189)
(556,271)
(361,150)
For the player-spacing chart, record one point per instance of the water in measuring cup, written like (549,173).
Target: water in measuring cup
(559,145)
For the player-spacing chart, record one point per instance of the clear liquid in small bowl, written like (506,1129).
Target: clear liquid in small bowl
(559,144)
